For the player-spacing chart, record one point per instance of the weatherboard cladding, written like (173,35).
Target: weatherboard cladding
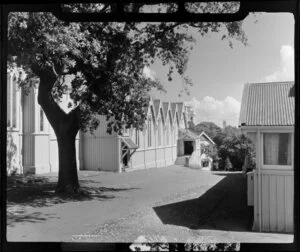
(268,104)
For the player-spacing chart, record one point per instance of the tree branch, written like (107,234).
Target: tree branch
(53,112)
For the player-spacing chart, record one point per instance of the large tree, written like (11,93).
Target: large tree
(106,61)
(210,128)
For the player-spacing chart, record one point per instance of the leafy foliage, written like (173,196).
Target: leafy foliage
(228,164)
(230,144)
(105,59)
(236,148)
(210,128)
(11,150)
(100,65)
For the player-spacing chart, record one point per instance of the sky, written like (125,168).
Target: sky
(219,72)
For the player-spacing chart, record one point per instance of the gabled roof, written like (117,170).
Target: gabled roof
(171,118)
(165,107)
(156,105)
(173,108)
(203,134)
(189,133)
(180,109)
(268,104)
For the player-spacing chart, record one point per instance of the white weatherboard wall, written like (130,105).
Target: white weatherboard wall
(273,189)
(32,145)
(100,151)
(277,195)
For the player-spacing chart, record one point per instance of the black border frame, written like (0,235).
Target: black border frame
(290,6)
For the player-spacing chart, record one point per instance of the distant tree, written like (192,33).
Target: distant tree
(228,131)
(236,148)
(210,128)
(228,165)
(107,62)
(231,131)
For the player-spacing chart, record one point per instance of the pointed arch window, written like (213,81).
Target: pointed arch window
(42,120)
(12,101)
(137,137)
(149,132)
(159,132)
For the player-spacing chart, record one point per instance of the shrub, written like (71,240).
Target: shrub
(228,165)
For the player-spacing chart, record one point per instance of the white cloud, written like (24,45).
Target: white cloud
(149,73)
(285,71)
(212,110)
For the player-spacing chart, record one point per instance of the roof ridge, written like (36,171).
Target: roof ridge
(274,82)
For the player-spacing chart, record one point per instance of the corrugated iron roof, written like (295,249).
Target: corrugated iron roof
(268,104)
(129,143)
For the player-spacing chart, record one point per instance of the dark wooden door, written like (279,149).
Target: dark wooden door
(188,147)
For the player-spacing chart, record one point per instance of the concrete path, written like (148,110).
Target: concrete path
(171,204)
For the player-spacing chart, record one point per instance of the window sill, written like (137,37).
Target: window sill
(40,133)
(10,129)
(277,167)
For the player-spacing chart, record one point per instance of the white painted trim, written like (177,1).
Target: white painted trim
(42,133)
(278,172)
(267,128)
(10,129)
(276,167)
(259,178)
(203,133)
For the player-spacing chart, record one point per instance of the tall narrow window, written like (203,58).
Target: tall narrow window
(42,120)
(159,133)
(168,134)
(137,137)
(8,99)
(149,133)
(14,103)
(11,101)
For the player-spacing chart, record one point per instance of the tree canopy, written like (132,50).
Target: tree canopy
(106,59)
(210,128)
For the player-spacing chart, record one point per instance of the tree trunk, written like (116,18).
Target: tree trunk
(67,176)
(66,127)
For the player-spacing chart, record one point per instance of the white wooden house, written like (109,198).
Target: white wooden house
(155,146)
(206,145)
(267,118)
(32,144)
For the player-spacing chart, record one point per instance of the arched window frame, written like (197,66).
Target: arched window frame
(13,99)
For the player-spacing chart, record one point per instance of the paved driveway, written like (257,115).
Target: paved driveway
(174,204)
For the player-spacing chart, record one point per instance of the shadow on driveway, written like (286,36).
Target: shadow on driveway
(39,191)
(223,207)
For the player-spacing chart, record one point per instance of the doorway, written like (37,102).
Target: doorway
(188,147)
(125,156)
